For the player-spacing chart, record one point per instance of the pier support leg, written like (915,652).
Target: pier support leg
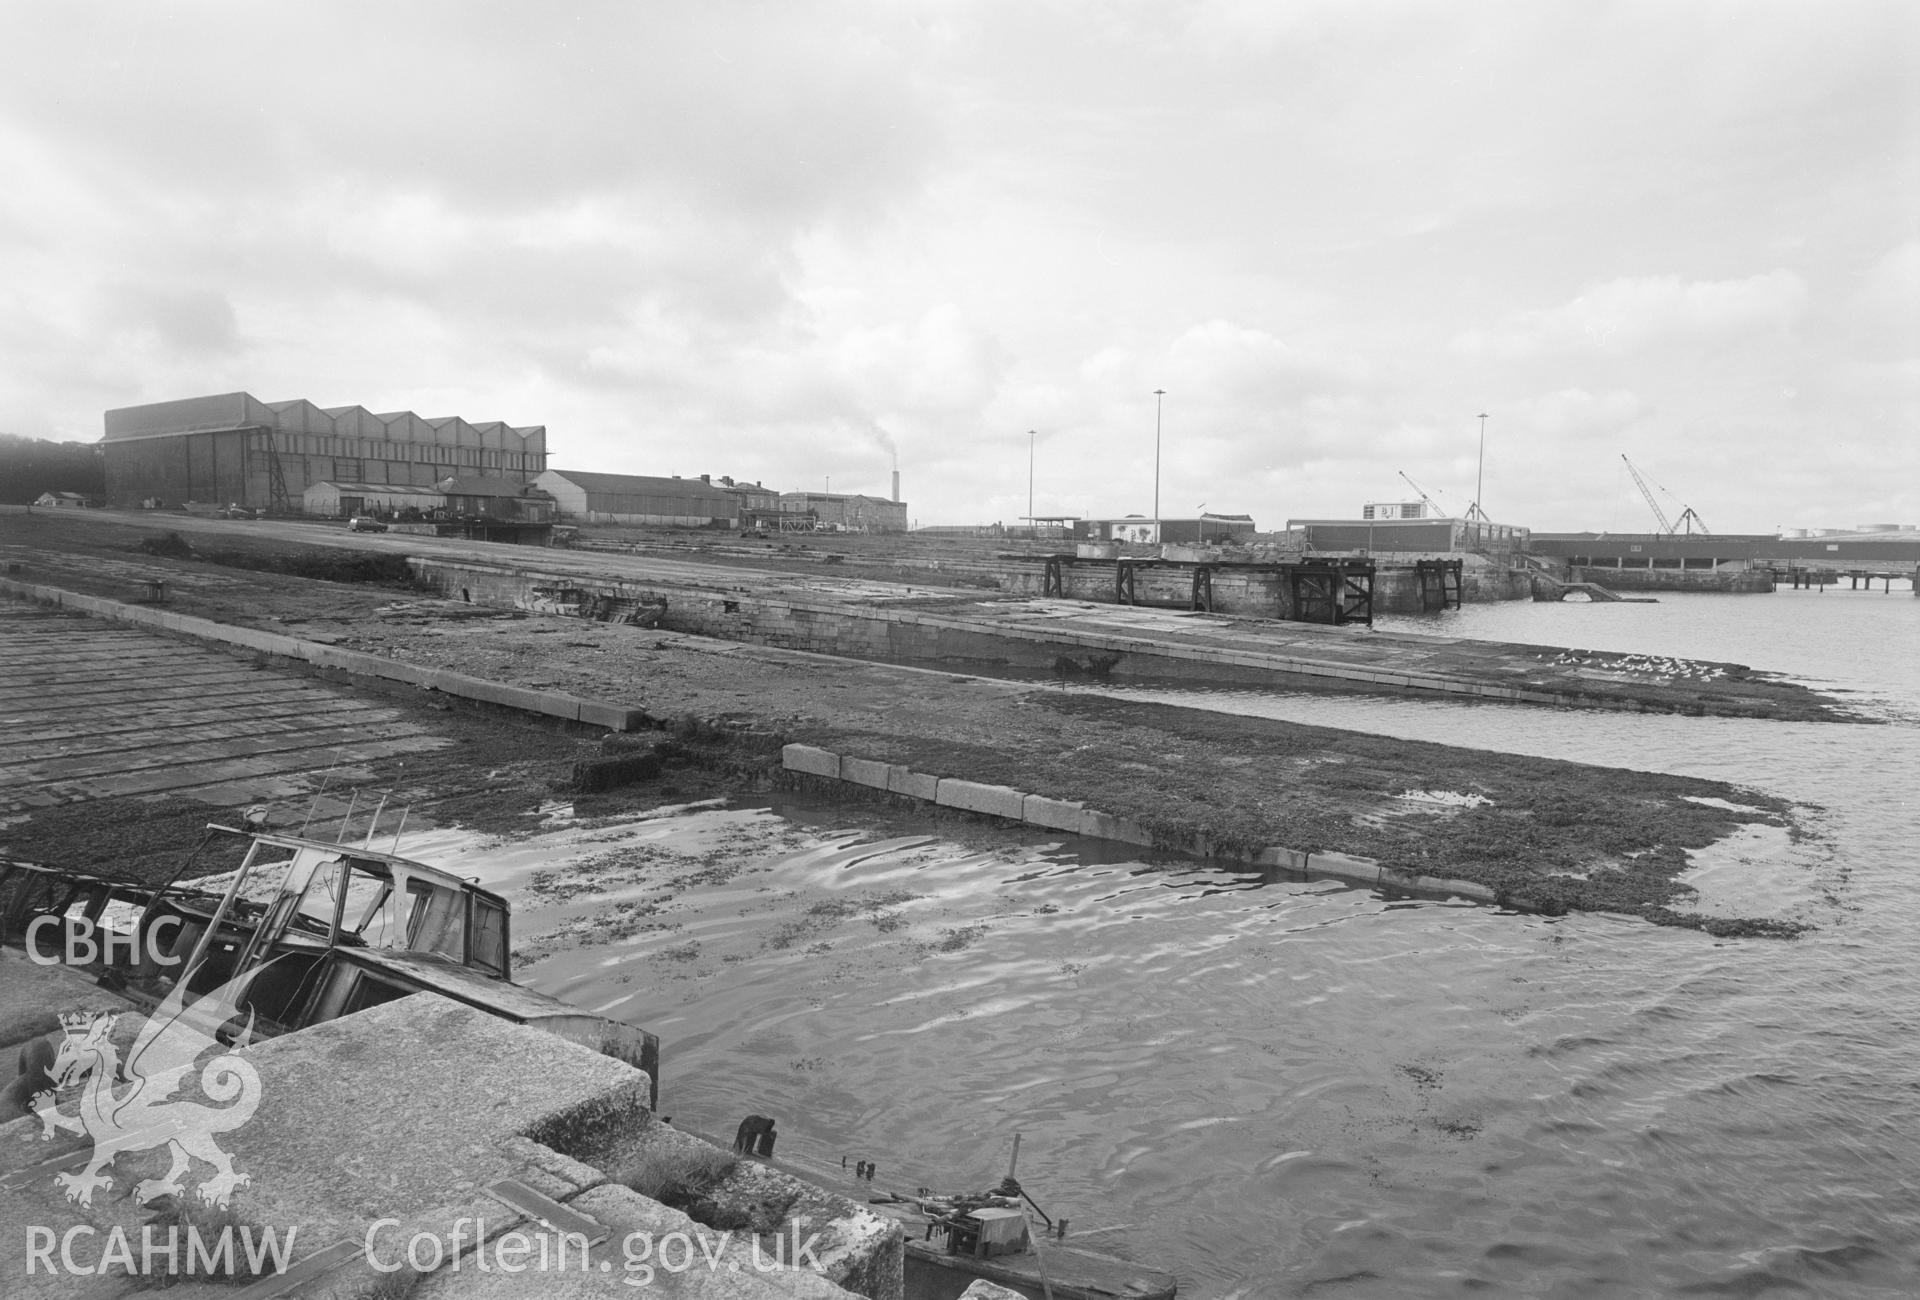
(1203,589)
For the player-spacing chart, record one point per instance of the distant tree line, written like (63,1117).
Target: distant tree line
(30,466)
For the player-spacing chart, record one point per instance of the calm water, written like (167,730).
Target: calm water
(1299,1089)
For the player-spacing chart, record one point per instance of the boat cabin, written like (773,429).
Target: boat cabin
(321,930)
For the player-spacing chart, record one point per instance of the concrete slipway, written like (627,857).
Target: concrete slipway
(94,707)
(964,631)
(126,711)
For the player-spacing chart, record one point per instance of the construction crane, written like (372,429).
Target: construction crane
(1688,516)
(1423,495)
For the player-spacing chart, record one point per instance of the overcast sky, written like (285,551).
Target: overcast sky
(788,241)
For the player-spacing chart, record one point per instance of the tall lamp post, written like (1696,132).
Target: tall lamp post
(1033,526)
(1158,394)
(1479,477)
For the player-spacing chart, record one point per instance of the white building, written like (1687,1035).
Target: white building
(1400,510)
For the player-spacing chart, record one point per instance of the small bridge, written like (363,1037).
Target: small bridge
(1546,587)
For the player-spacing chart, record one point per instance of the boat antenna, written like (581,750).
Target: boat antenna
(347,820)
(374,824)
(206,838)
(315,805)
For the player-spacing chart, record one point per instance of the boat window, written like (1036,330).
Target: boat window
(370,896)
(295,886)
(437,922)
(489,940)
(318,902)
(371,992)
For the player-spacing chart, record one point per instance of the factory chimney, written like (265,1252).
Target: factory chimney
(896,485)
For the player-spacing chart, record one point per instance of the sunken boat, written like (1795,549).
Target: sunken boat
(305,931)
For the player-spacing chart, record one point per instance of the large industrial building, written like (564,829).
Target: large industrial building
(234,449)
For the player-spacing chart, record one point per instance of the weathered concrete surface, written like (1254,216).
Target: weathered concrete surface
(981,1289)
(553,704)
(918,623)
(1076,818)
(867,772)
(92,708)
(710,1267)
(882,621)
(915,785)
(34,997)
(1212,783)
(972,796)
(812,761)
(1054,814)
(1098,825)
(848,1244)
(407,1111)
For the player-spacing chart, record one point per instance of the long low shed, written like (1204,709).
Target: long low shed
(640,499)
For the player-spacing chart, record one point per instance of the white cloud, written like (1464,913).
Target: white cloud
(939,366)
(774,240)
(1626,315)
(1231,364)
(1576,413)
(1887,303)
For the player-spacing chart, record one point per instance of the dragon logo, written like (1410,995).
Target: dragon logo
(142,1114)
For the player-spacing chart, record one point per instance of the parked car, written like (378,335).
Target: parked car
(366,524)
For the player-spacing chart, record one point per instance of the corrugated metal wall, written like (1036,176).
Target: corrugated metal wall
(163,450)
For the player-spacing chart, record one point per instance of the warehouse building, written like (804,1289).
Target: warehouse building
(235,449)
(640,500)
(329,500)
(753,496)
(473,497)
(851,512)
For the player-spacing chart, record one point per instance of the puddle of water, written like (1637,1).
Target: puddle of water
(1752,872)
